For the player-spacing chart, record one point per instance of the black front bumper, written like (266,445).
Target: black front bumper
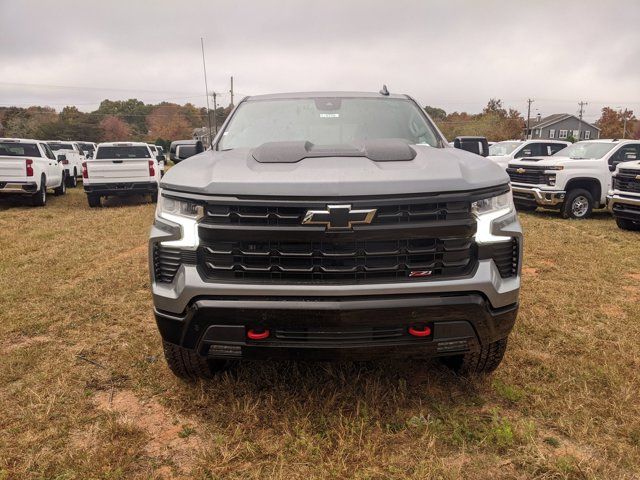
(337,328)
(121,189)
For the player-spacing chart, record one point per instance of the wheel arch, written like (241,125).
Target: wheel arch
(590,184)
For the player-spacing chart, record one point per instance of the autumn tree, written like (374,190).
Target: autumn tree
(114,129)
(612,123)
(169,122)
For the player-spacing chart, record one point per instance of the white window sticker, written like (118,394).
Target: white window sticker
(329,115)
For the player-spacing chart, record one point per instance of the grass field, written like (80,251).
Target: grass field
(85,392)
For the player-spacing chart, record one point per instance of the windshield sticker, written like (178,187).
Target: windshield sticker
(329,115)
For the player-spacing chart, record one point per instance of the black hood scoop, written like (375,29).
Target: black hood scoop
(379,150)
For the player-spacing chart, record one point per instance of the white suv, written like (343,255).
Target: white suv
(72,158)
(504,152)
(120,169)
(28,168)
(575,180)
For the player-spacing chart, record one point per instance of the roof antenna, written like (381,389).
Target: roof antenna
(384,91)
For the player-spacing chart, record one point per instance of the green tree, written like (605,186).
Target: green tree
(437,114)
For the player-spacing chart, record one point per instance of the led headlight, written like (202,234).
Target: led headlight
(186,214)
(487,211)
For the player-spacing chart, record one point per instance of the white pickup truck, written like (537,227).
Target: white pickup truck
(624,198)
(159,155)
(89,148)
(575,180)
(120,169)
(504,152)
(28,168)
(73,156)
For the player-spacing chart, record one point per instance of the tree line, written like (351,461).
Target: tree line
(114,120)
(498,123)
(164,122)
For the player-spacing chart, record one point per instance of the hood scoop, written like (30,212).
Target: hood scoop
(379,150)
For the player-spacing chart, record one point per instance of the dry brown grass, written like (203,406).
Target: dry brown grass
(85,393)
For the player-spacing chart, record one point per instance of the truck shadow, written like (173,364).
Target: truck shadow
(132,200)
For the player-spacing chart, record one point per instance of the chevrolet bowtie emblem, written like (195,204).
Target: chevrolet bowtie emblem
(339,217)
(521,170)
(637,177)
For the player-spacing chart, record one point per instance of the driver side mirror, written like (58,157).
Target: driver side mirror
(62,158)
(160,158)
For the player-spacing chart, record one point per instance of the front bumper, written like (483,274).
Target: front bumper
(121,189)
(537,196)
(337,328)
(18,187)
(622,206)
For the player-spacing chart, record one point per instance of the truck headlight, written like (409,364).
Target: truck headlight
(186,214)
(487,211)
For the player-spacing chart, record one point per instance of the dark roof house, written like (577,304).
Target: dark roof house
(561,126)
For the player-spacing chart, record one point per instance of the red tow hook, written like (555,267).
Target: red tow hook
(258,334)
(420,330)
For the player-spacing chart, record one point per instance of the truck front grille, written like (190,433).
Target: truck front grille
(326,260)
(409,239)
(529,174)
(167,261)
(627,181)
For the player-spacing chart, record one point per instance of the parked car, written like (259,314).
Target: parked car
(575,180)
(120,169)
(504,152)
(307,231)
(159,156)
(72,158)
(28,168)
(624,199)
(88,148)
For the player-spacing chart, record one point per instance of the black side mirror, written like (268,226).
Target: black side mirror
(160,158)
(477,145)
(62,158)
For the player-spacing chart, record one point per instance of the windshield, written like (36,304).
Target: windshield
(123,152)
(10,149)
(60,146)
(586,150)
(326,121)
(503,148)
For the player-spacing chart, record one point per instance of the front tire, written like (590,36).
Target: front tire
(39,199)
(578,204)
(478,363)
(626,224)
(187,364)
(94,200)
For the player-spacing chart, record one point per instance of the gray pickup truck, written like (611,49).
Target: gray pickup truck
(334,226)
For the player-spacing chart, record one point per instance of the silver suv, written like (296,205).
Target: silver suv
(330,226)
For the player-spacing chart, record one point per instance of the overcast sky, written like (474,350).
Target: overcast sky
(451,54)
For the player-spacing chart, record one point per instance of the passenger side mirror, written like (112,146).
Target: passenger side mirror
(62,158)
(477,145)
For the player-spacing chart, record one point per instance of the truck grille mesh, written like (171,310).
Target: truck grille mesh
(627,182)
(532,175)
(167,261)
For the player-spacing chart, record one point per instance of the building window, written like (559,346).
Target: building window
(552,133)
(576,134)
(587,134)
(563,134)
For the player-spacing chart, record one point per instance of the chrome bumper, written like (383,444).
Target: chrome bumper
(542,197)
(614,199)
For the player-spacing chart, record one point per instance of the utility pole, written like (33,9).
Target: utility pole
(206,90)
(529,102)
(624,125)
(582,105)
(215,116)
(231,91)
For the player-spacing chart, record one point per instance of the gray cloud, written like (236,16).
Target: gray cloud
(452,54)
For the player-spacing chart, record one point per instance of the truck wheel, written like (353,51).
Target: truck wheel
(154,197)
(72,180)
(39,199)
(187,364)
(626,224)
(62,189)
(477,363)
(578,204)
(94,200)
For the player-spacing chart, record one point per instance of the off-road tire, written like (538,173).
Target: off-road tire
(626,224)
(62,189)
(72,180)
(522,207)
(94,200)
(574,195)
(187,364)
(39,199)
(478,363)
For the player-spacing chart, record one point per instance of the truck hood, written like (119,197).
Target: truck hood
(236,172)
